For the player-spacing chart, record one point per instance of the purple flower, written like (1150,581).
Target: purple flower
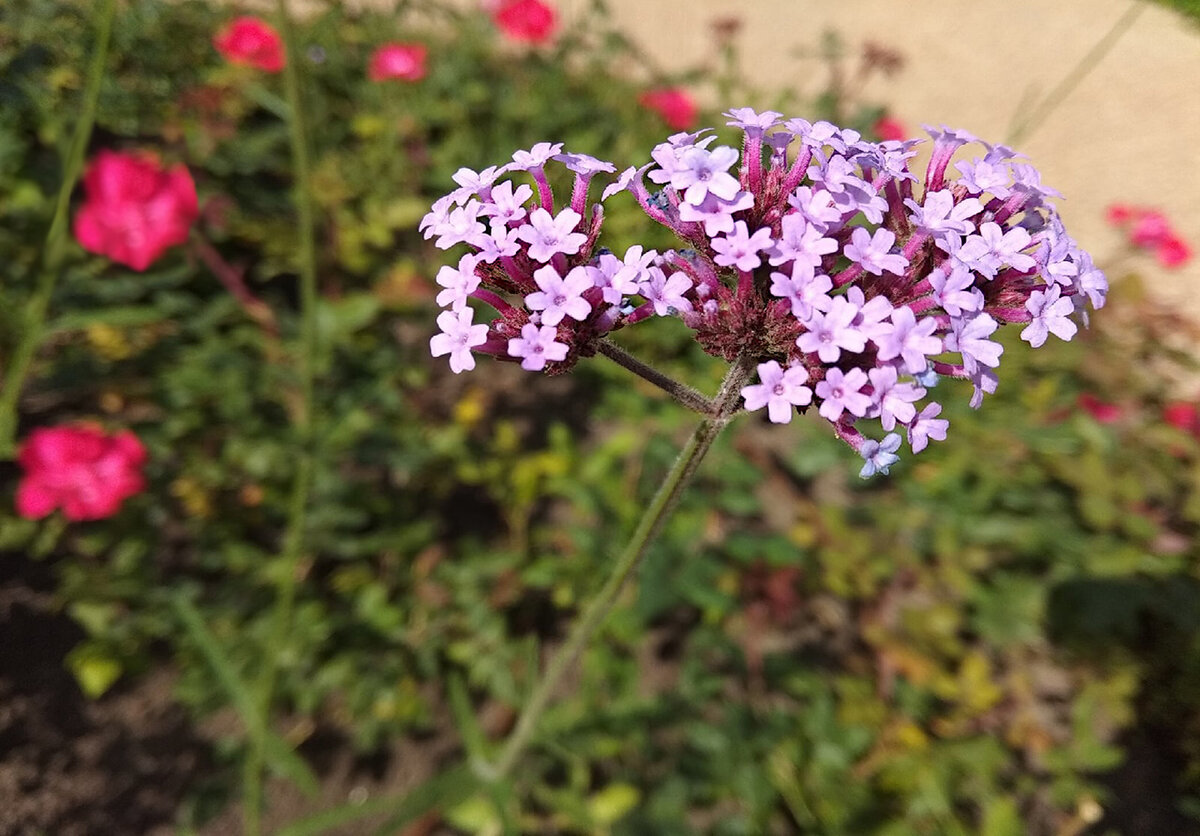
(751,121)
(535,157)
(908,339)
(537,346)
(842,392)
(459,283)
(457,339)
(716,214)
(874,252)
(666,294)
(970,338)
(507,204)
(817,207)
(981,176)
(993,249)
(778,390)
(801,241)
(926,426)
(871,314)
(560,297)
(892,401)
(500,244)
(473,183)
(1051,311)
(549,234)
(619,279)
(624,181)
(701,172)
(940,213)
(740,249)
(879,455)
(461,225)
(956,292)
(806,290)
(584,163)
(829,333)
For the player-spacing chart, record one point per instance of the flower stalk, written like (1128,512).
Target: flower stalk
(724,407)
(304,422)
(34,325)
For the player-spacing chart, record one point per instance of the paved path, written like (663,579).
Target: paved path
(1129,132)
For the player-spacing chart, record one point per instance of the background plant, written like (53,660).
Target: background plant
(970,646)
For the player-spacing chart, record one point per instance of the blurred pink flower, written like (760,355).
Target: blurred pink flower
(1102,411)
(251,42)
(529,21)
(889,127)
(80,470)
(1149,229)
(673,104)
(401,62)
(134,208)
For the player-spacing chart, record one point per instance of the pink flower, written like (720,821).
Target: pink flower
(1149,229)
(889,127)
(402,62)
(251,42)
(1103,411)
(529,21)
(1183,416)
(79,469)
(135,209)
(673,104)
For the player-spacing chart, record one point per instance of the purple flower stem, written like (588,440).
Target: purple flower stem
(545,193)
(796,172)
(489,298)
(848,275)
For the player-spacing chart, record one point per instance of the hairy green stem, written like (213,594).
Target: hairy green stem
(1078,73)
(725,405)
(56,238)
(681,392)
(293,539)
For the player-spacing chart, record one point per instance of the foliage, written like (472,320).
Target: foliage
(957,649)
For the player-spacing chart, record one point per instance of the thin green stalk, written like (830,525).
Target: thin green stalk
(34,326)
(725,406)
(293,540)
(1078,73)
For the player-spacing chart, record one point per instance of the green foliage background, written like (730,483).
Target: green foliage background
(969,646)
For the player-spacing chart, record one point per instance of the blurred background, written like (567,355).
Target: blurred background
(1001,638)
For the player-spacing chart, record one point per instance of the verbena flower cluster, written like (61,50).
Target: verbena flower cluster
(812,251)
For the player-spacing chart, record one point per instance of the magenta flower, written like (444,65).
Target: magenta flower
(79,469)
(398,62)
(251,42)
(135,210)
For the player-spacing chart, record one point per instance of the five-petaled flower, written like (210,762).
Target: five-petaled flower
(80,469)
